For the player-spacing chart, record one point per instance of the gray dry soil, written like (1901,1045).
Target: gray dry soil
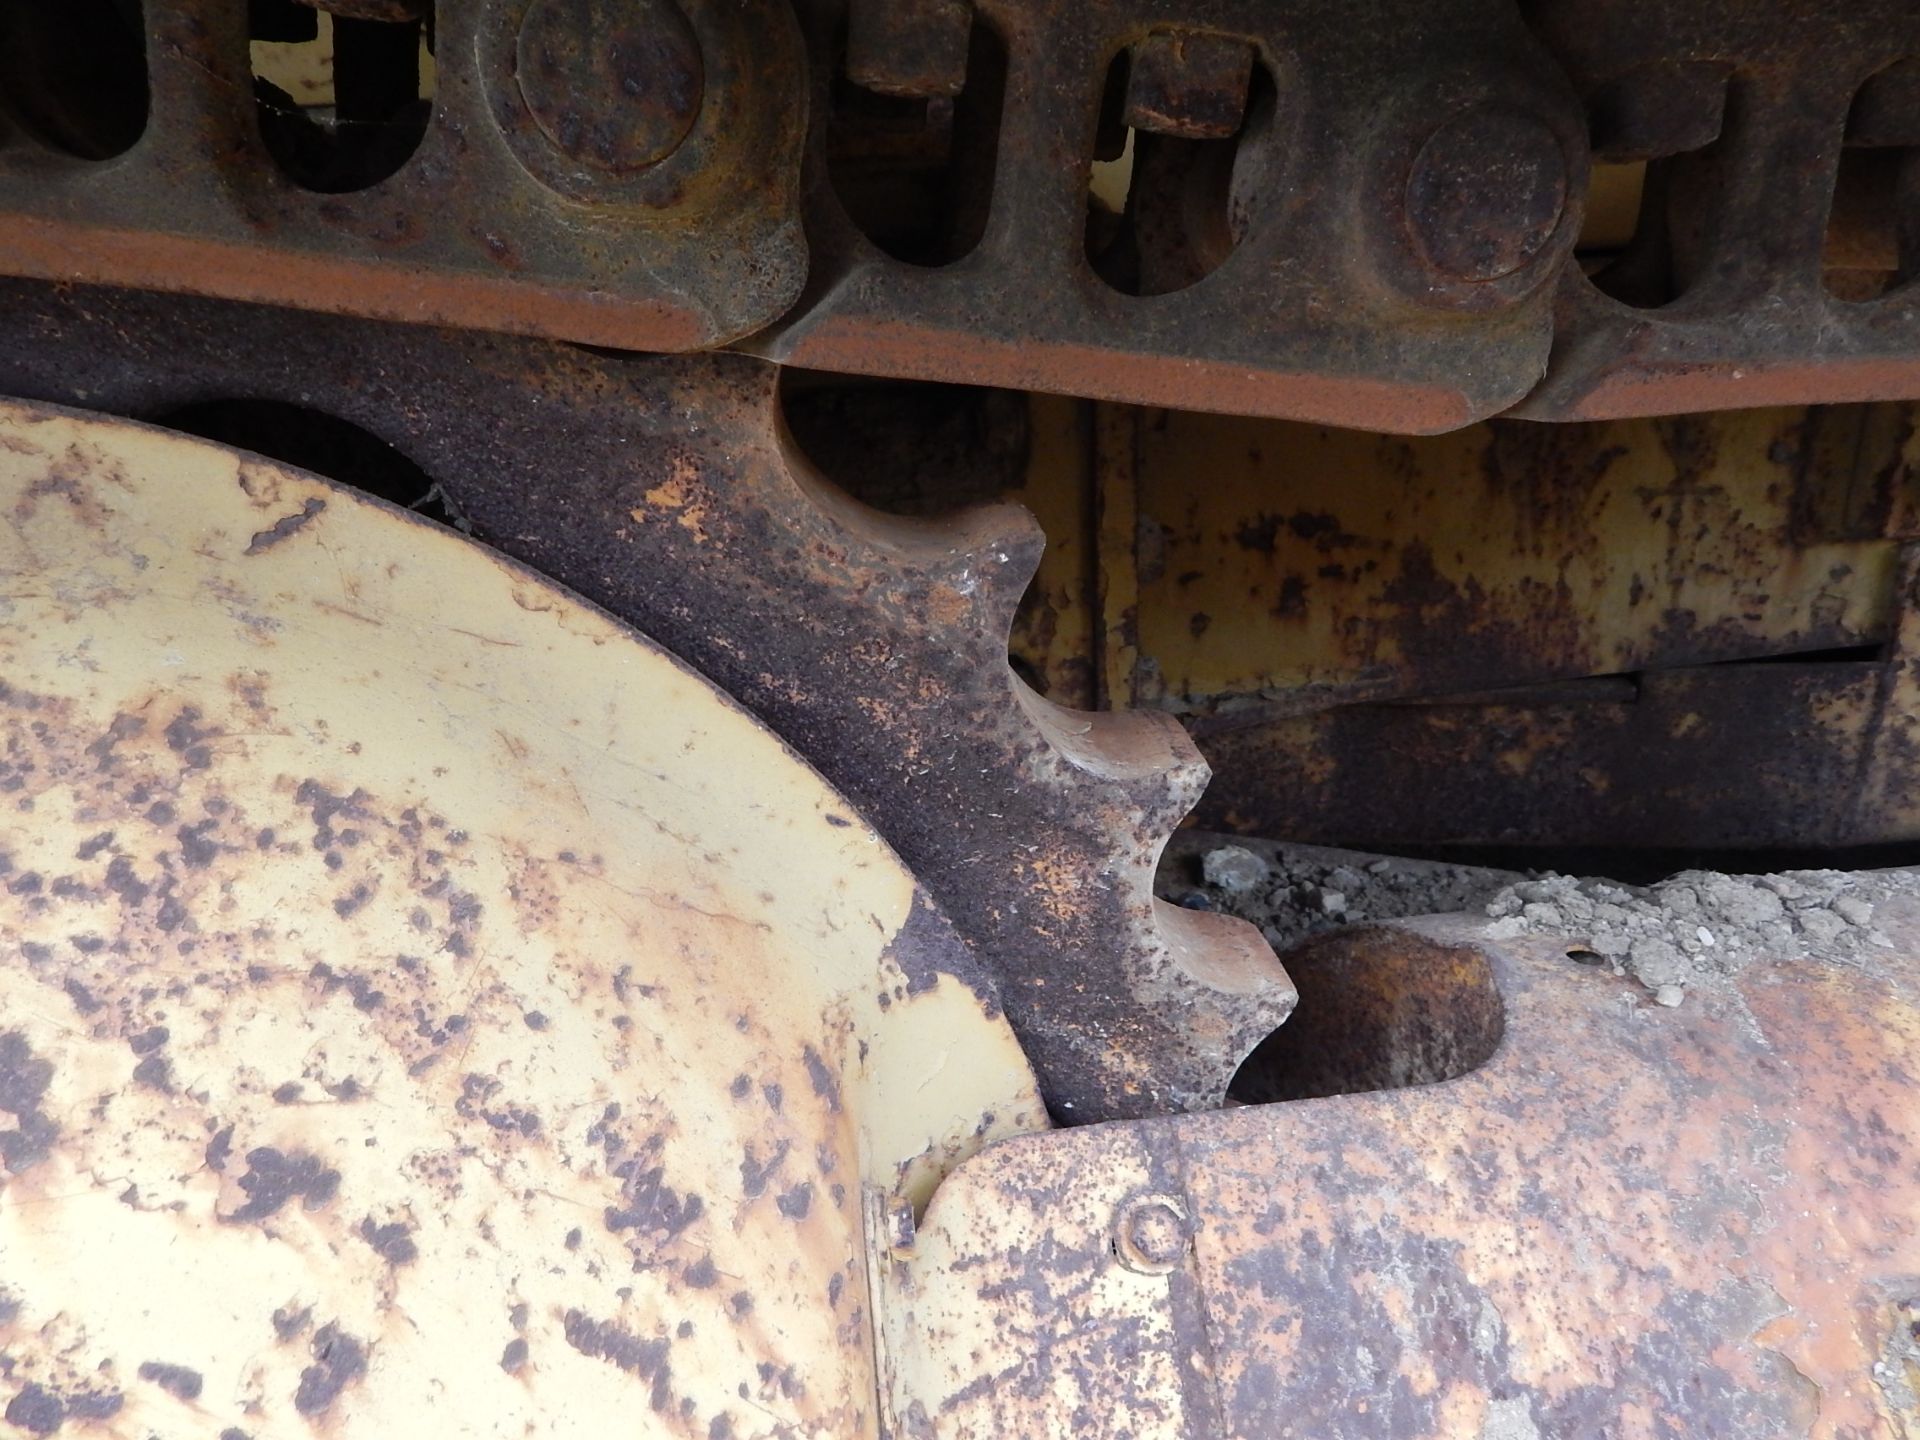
(1685,931)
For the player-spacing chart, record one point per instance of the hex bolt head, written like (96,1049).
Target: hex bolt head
(613,84)
(1485,194)
(1151,1233)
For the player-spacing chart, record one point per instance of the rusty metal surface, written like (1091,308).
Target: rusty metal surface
(425,1006)
(1321,570)
(909,48)
(1657,556)
(1794,753)
(1780,755)
(666,491)
(1356,215)
(1755,115)
(1318,573)
(654,1121)
(570,180)
(1629,1222)
(1319,567)
(1329,306)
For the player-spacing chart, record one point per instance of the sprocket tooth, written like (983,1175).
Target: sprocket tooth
(967,572)
(974,564)
(997,549)
(1135,775)
(974,576)
(1227,953)
(1145,758)
(1249,990)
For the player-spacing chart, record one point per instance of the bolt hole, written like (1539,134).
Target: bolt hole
(916,174)
(1580,955)
(1867,252)
(73,75)
(1164,212)
(343,100)
(1380,1009)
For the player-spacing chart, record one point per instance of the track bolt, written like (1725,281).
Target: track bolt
(614,84)
(1485,194)
(1150,1234)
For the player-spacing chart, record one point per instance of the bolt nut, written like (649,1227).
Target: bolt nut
(1151,1234)
(612,84)
(1485,194)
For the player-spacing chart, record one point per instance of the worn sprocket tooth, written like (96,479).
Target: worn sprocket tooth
(667,491)
(1130,776)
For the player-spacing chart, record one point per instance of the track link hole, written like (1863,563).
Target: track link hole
(914,172)
(1165,210)
(74,75)
(344,98)
(1380,1009)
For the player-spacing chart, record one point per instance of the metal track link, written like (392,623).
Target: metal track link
(1361,214)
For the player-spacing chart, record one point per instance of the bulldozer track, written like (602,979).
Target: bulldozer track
(1357,214)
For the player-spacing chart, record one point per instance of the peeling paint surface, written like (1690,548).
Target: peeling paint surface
(425,1006)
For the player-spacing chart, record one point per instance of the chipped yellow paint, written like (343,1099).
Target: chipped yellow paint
(1312,566)
(1318,565)
(425,1006)
(1627,1221)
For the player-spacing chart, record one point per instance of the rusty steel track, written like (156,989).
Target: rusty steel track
(509,213)
(1356,214)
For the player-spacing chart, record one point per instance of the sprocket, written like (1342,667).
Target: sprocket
(666,490)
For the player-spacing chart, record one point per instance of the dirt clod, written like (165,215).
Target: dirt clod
(1693,928)
(1699,926)
(1293,891)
